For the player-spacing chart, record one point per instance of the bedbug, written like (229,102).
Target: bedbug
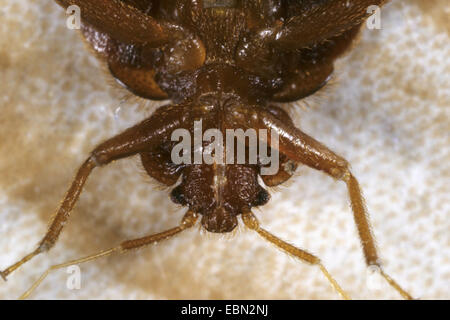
(174,60)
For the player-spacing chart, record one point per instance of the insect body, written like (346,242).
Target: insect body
(226,64)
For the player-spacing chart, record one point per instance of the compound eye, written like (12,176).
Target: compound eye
(177,195)
(261,198)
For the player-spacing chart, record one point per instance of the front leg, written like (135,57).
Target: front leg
(300,147)
(316,21)
(121,21)
(144,136)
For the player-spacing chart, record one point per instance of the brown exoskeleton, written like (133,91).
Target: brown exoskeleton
(226,63)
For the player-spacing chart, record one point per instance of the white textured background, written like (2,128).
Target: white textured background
(387,112)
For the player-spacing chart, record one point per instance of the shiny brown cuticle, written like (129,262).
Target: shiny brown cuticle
(228,63)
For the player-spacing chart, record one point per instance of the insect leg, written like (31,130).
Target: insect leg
(121,21)
(300,147)
(134,140)
(188,221)
(252,223)
(60,218)
(333,16)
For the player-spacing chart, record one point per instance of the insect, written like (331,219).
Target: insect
(227,63)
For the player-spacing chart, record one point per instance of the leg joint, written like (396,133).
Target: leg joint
(341,171)
(250,220)
(44,246)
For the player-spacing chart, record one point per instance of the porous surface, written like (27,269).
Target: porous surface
(386,111)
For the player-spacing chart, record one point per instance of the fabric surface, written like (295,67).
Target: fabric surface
(386,111)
